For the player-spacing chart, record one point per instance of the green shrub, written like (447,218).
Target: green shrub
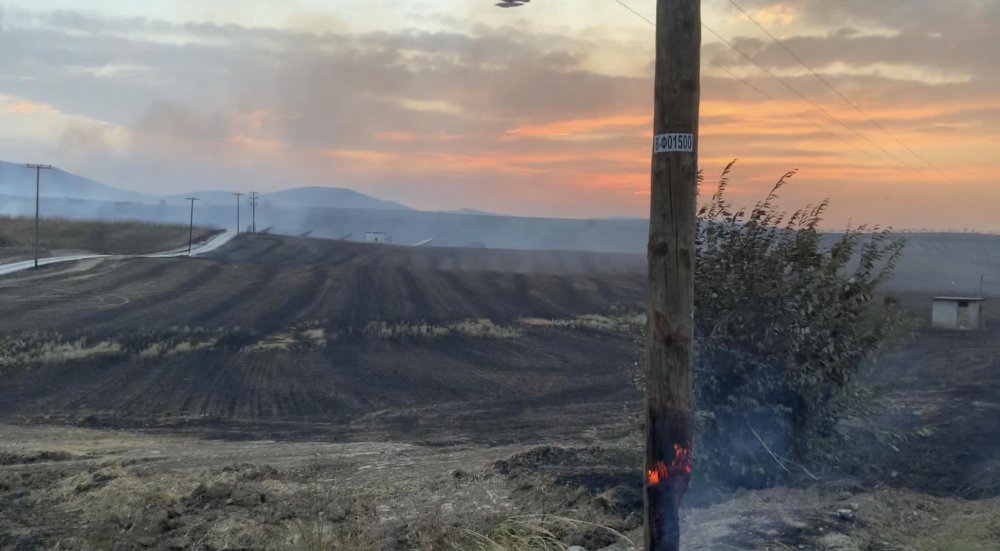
(785,321)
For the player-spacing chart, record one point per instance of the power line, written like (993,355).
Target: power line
(772,99)
(641,16)
(757,89)
(833,88)
(902,165)
(806,98)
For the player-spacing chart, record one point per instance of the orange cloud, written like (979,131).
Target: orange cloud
(486,160)
(257,144)
(252,120)
(780,13)
(427,162)
(577,127)
(396,136)
(29,107)
(363,155)
(414,137)
(600,165)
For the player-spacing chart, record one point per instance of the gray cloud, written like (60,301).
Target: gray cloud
(954,35)
(334,90)
(167,118)
(84,140)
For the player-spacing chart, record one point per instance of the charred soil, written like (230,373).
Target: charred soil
(306,394)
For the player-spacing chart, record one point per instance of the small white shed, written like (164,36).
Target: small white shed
(958,313)
(376,237)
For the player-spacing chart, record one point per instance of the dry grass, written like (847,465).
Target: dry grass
(338,519)
(532,533)
(278,341)
(117,493)
(362,533)
(113,499)
(357,534)
(476,328)
(965,531)
(33,349)
(620,323)
(316,336)
(17,235)
(308,336)
(53,352)
(158,349)
(312,509)
(27,457)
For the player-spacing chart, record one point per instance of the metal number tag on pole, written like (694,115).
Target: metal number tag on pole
(673,143)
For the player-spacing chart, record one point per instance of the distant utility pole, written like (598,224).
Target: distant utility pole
(38,187)
(671,253)
(238,195)
(191,223)
(253,205)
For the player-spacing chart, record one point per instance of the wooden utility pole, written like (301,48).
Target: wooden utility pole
(253,211)
(238,195)
(671,252)
(191,224)
(38,189)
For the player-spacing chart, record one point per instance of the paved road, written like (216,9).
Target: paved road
(206,247)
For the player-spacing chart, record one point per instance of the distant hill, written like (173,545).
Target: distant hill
(475,212)
(948,264)
(18,181)
(299,198)
(931,263)
(327,197)
(204,198)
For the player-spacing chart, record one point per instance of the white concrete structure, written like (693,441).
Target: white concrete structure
(958,313)
(376,237)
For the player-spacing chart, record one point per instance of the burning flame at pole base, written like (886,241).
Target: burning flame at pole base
(680,465)
(665,485)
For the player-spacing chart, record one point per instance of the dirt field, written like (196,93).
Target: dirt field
(274,327)
(943,392)
(266,283)
(306,394)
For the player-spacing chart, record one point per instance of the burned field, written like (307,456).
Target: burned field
(273,328)
(264,284)
(289,393)
(349,346)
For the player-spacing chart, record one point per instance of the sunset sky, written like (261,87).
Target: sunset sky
(543,110)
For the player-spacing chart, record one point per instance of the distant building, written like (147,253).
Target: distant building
(958,313)
(376,237)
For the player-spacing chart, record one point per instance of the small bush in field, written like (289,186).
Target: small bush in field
(784,323)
